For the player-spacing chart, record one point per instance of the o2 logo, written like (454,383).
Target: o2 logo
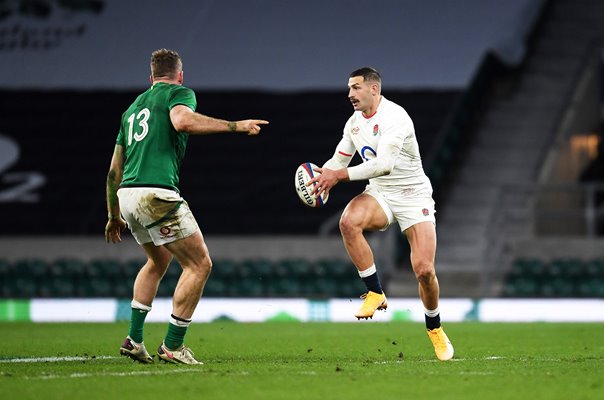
(367,149)
(16,187)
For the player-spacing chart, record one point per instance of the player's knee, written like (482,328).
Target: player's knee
(349,225)
(424,271)
(207,264)
(204,264)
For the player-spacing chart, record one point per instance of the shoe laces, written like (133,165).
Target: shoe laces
(441,341)
(188,353)
(369,294)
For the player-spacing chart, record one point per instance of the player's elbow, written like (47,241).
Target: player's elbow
(181,119)
(334,163)
(181,123)
(384,168)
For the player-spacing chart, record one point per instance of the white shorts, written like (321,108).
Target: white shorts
(156,215)
(406,210)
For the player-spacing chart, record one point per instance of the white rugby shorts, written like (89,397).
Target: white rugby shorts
(156,215)
(407,209)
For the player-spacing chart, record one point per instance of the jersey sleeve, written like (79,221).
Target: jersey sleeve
(183,95)
(120,139)
(344,151)
(121,136)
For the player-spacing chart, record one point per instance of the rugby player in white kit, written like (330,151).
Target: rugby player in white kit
(382,133)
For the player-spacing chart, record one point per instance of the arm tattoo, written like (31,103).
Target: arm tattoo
(112,186)
(232,126)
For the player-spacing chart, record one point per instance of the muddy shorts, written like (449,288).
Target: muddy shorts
(156,215)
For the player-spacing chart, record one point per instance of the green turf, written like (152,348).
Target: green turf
(289,360)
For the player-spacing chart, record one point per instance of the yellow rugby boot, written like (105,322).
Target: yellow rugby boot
(442,345)
(373,301)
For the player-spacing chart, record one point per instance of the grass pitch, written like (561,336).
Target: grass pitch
(289,360)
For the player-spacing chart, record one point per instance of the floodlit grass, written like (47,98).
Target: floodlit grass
(289,360)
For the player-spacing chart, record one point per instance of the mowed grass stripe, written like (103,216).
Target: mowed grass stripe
(309,361)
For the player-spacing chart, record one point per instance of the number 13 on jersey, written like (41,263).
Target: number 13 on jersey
(141,120)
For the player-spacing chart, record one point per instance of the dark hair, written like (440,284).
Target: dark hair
(165,64)
(369,74)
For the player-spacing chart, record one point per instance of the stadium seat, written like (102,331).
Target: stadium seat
(57,287)
(521,287)
(226,269)
(285,287)
(594,268)
(591,288)
(167,286)
(215,287)
(130,268)
(568,268)
(31,268)
(335,268)
(174,270)
(247,288)
(557,287)
(67,268)
(96,287)
(6,276)
(297,268)
(122,289)
(23,287)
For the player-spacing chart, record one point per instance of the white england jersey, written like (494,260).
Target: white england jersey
(385,141)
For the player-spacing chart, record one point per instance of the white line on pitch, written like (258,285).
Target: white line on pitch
(490,358)
(54,359)
(132,373)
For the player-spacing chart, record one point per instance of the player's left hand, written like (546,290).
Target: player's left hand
(252,126)
(114,229)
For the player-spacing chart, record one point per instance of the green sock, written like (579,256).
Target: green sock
(177,329)
(137,321)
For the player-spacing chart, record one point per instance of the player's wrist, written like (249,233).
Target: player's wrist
(343,175)
(232,125)
(112,217)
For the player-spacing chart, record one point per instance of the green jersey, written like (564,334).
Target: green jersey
(153,148)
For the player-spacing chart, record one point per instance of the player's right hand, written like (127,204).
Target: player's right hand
(114,229)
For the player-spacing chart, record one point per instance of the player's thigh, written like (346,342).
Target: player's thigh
(366,212)
(191,251)
(422,241)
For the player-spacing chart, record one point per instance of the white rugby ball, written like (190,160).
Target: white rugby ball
(305,173)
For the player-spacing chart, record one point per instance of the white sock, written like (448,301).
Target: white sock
(368,272)
(431,313)
(140,306)
(179,322)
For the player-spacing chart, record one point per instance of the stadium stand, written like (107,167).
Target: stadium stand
(248,180)
(490,148)
(560,277)
(102,278)
(519,147)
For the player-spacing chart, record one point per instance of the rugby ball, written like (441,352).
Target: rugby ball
(305,173)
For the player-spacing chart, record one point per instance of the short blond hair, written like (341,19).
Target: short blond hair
(165,63)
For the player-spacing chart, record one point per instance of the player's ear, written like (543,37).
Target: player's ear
(181,76)
(151,79)
(375,88)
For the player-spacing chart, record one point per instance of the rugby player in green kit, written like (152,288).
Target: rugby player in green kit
(142,194)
